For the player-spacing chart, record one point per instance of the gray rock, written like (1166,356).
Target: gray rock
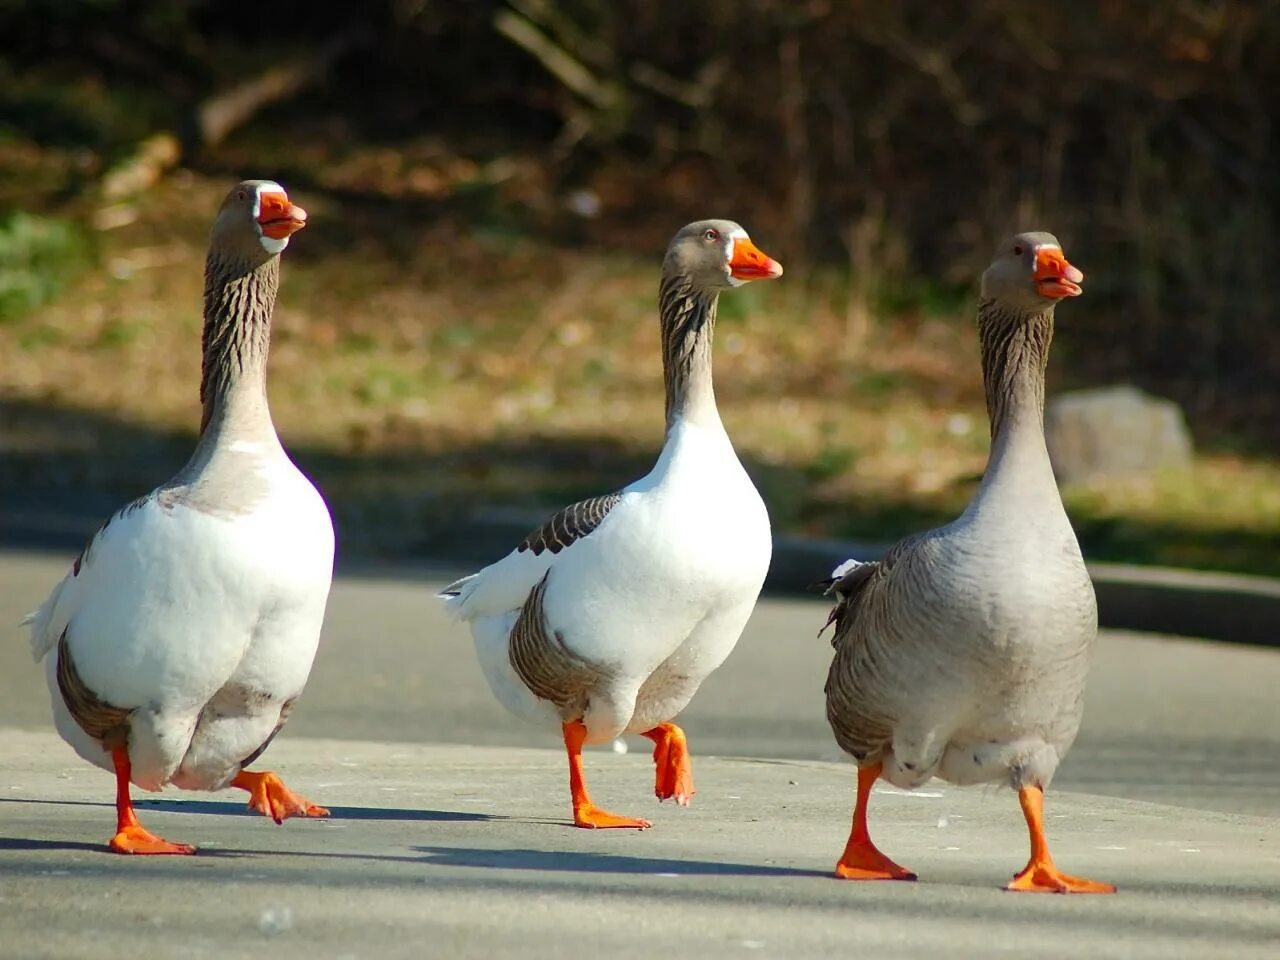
(1114,431)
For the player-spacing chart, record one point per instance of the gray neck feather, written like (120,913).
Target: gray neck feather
(238,301)
(1015,352)
(688,322)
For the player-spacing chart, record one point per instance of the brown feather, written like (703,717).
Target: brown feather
(549,668)
(107,724)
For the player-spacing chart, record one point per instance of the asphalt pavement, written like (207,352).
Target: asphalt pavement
(450,836)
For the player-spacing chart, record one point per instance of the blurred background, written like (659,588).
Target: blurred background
(467,329)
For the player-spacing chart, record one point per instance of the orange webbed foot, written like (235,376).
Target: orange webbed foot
(1044,877)
(136,839)
(591,817)
(270,797)
(585,813)
(1040,875)
(131,836)
(673,770)
(862,861)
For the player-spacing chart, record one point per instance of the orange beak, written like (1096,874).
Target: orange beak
(277,217)
(748,263)
(1055,277)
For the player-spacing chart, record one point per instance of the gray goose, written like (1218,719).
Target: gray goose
(179,640)
(963,653)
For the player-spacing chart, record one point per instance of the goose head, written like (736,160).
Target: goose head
(255,222)
(1030,273)
(717,254)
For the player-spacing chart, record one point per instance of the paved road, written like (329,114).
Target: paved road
(449,838)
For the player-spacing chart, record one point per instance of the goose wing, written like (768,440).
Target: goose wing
(857,708)
(506,585)
(50,620)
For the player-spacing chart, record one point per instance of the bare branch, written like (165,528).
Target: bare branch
(557,61)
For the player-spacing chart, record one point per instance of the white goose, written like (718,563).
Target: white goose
(183,634)
(963,653)
(608,618)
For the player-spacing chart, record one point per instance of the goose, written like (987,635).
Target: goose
(183,634)
(607,618)
(963,653)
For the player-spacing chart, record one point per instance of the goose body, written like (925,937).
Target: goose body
(608,618)
(181,637)
(659,592)
(969,652)
(963,653)
(204,619)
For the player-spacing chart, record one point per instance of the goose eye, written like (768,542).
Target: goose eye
(241,195)
(711,235)
(1017,251)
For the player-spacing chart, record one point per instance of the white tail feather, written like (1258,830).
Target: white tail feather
(455,594)
(48,622)
(844,568)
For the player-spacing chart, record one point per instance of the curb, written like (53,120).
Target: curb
(1219,606)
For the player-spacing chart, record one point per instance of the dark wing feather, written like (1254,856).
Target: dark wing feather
(859,728)
(572,523)
(107,724)
(548,668)
(847,589)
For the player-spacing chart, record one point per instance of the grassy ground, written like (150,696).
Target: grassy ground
(430,361)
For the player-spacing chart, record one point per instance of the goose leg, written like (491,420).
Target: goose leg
(1040,875)
(131,836)
(271,798)
(671,763)
(585,813)
(861,860)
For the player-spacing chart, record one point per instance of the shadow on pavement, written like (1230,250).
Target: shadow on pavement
(27,843)
(232,808)
(579,862)
(30,844)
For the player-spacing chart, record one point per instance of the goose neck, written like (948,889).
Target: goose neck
(238,302)
(1015,353)
(688,318)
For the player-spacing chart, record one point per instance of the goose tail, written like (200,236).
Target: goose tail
(846,582)
(455,594)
